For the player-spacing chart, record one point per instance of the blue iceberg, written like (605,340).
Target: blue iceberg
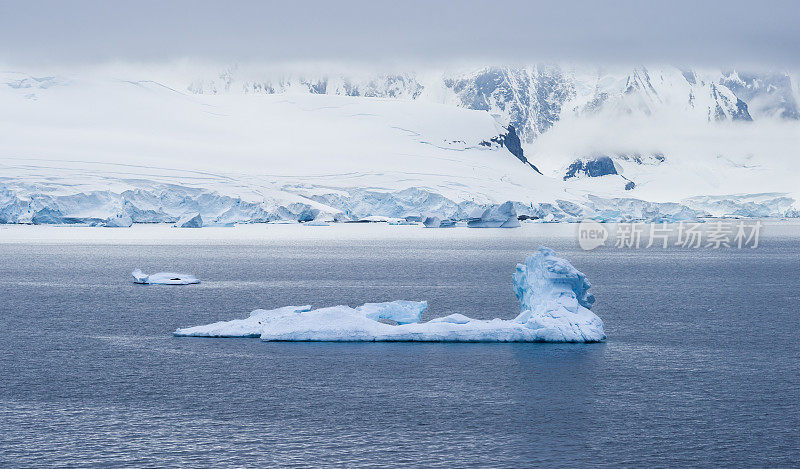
(554,302)
(495,216)
(190,220)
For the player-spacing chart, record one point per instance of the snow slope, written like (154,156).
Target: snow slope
(165,150)
(533,98)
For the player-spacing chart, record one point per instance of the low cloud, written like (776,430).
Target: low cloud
(681,31)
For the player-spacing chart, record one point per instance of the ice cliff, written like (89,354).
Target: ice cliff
(554,303)
(161,203)
(190,220)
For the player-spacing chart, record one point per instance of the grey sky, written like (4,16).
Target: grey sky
(732,32)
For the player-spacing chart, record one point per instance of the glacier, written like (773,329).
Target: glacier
(220,205)
(554,307)
(555,143)
(165,204)
(163,278)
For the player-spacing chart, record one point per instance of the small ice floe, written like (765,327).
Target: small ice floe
(163,278)
(554,307)
(379,219)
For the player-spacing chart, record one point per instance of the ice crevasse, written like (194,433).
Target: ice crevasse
(554,301)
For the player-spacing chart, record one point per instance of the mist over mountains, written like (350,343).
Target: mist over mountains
(535,97)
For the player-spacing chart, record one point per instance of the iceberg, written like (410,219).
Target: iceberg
(555,301)
(436,222)
(252,326)
(121,220)
(495,216)
(554,307)
(163,278)
(190,220)
(401,312)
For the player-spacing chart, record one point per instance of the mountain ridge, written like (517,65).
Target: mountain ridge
(536,97)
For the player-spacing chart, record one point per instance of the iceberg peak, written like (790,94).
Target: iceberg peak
(554,298)
(544,275)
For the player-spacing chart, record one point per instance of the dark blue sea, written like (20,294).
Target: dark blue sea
(701,366)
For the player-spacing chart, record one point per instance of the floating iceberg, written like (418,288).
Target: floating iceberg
(496,216)
(316,223)
(163,278)
(553,296)
(120,220)
(190,220)
(252,326)
(436,222)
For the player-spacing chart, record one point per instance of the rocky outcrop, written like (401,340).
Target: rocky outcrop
(510,141)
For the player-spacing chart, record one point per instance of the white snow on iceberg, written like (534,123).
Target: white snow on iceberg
(553,296)
(252,326)
(163,278)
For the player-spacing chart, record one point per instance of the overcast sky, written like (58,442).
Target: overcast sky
(732,32)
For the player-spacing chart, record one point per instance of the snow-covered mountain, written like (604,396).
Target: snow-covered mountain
(152,144)
(534,98)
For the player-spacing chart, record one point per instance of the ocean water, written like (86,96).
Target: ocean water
(701,366)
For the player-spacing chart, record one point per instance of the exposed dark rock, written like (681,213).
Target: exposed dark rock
(740,114)
(604,166)
(596,167)
(769,93)
(514,145)
(511,142)
(531,97)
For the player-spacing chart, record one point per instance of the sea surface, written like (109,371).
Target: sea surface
(701,366)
